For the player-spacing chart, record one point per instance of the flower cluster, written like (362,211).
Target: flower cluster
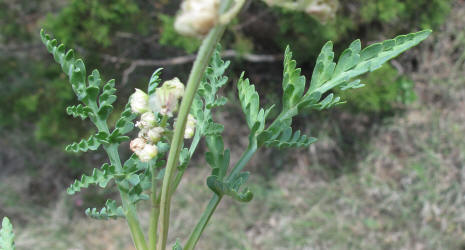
(164,102)
(197,17)
(322,10)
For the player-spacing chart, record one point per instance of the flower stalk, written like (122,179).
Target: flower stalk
(200,64)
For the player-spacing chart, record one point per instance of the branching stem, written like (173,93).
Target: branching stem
(215,200)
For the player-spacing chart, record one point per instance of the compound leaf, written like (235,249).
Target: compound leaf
(92,143)
(99,177)
(79,111)
(109,211)
(231,188)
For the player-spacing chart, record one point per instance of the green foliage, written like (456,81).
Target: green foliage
(135,176)
(98,104)
(217,157)
(231,188)
(383,91)
(98,21)
(92,143)
(426,14)
(110,211)
(170,37)
(100,177)
(177,245)
(7,237)
(326,76)
(206,98)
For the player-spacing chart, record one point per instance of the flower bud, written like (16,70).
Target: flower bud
(175,86)
(147,153)
(322,10)
(165,99)
(139,102)
(197,17)
(190,127)
(137,144)
(147,121)
(154,134)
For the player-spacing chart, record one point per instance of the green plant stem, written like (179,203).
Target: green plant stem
(202,223)
(200,64)
(155,211)
(129,208)
(180,173)
(215,200)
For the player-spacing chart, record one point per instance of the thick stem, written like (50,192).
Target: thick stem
(129,208)
(215,200)
(133,222)
(200,64)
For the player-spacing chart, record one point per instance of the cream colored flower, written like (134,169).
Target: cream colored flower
(154,134)
(322,10)
(137,144)
(144,151)
(175,86)
(190,127)
(165,99)
(147,153)
(197,17)
(139,102)
(147,121)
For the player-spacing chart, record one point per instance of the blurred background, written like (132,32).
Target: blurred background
(387,171)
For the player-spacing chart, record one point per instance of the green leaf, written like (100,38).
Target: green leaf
(293,82)
(110,211)
(327,75)
(136,178)
(217,157)
(250,103)
(125,123)
(107,98)
(206,97)
(177,245)
(231,188)
(154,81)
(7,237)
(98,105)
(92,143)
(354,62)
(286,139)
(79,111)
(99,177)
(73,68)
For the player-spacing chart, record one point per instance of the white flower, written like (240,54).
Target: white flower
(197,17)
(154,134)
(190,127)
(144,151)
(165,99)
(139,102)
(147,153)
(322,10)
(137,144)
(175,87)
(147,121)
